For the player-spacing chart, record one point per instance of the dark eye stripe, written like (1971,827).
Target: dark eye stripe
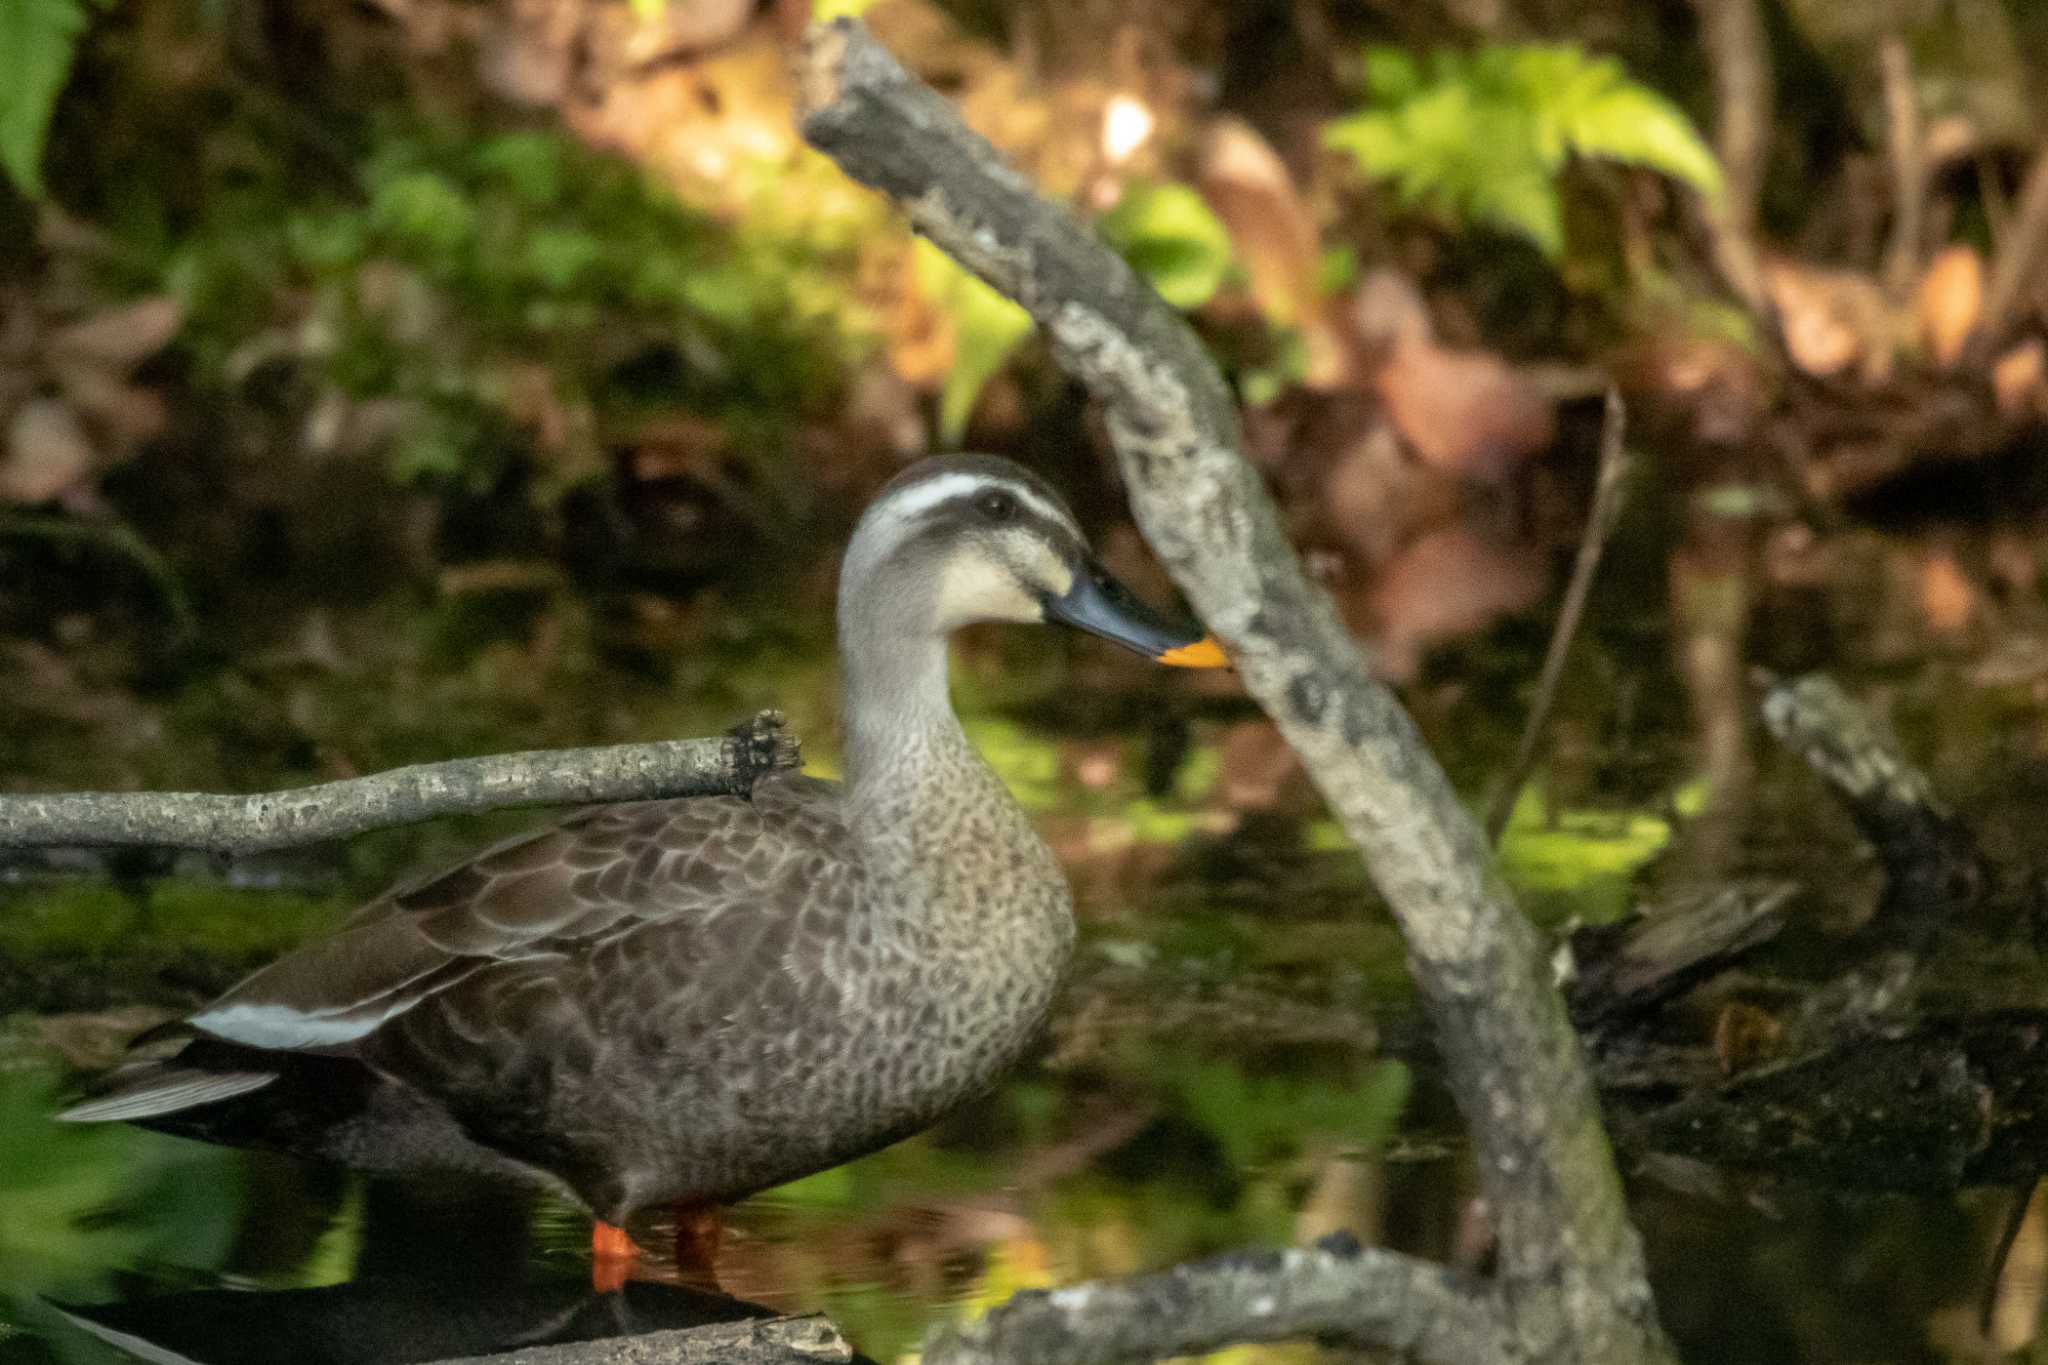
(963,515)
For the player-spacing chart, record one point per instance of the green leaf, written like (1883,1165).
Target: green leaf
(326,240)
(529,164)
(38,42)
(1337,269)
(558,257)
(1369,137)
(647,11)
(424,209)
(1483,137)
(986,328)
(1640,127)
(1391,74)
(1171,238)
(1524,201)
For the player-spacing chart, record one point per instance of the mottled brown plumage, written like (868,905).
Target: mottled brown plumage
(691,1000)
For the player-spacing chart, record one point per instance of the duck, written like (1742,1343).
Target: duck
(680,1003)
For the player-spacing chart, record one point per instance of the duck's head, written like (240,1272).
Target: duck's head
(962,539)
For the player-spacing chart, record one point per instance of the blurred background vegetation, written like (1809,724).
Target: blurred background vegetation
(386,380)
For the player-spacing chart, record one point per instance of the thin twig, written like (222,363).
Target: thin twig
(335,810)
(1609,485)
(117,537)
(1905,148)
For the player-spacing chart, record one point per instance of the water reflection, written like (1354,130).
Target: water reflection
(396,1320)
(217,1256)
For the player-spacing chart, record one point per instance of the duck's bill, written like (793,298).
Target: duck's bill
(1100,605)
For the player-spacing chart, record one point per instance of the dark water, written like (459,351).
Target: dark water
(1237,1064)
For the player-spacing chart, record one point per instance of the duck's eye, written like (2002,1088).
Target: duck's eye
(996,505)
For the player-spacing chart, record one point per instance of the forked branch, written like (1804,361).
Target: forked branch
(1571,1265)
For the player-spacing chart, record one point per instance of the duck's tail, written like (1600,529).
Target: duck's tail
(147,1090)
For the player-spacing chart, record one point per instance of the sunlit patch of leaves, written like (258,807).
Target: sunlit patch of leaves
(1586,861)
(1259,1116)
(1481,138)
(38,43)
(518,296)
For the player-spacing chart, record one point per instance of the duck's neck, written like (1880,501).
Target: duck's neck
(897,714)
(933,821)
(902,738)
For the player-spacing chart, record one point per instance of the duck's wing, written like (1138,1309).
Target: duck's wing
(570,888)
(567,888)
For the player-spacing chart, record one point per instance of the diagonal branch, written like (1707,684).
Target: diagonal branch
(403,796)
(1334,1291)
(1571,1263)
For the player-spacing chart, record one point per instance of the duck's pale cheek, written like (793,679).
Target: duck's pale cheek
(976,589)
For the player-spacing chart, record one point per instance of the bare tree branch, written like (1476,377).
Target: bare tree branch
(1336,1291)
(1608,485)
(1570,1260)
(403,796)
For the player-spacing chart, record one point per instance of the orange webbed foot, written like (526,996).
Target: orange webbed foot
(613,1257)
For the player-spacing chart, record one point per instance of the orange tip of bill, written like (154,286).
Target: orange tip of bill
(1203,653)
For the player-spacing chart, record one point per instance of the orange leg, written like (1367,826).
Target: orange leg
(699,1230)
(612,1257)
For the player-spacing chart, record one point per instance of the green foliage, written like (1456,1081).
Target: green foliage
(1171,238)
(519,297)
(87,1202)
(38,41)
(1481,137)
(65,921)
(986,328)
(1257,1115)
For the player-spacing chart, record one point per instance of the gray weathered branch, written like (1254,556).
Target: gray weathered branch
(1341,1293)
(336,810)
(1571,1263)
(1931,860)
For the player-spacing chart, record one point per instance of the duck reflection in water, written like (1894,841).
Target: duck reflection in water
(401,1319)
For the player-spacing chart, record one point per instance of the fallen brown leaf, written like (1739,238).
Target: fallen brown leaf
(47,452)
(123,336)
